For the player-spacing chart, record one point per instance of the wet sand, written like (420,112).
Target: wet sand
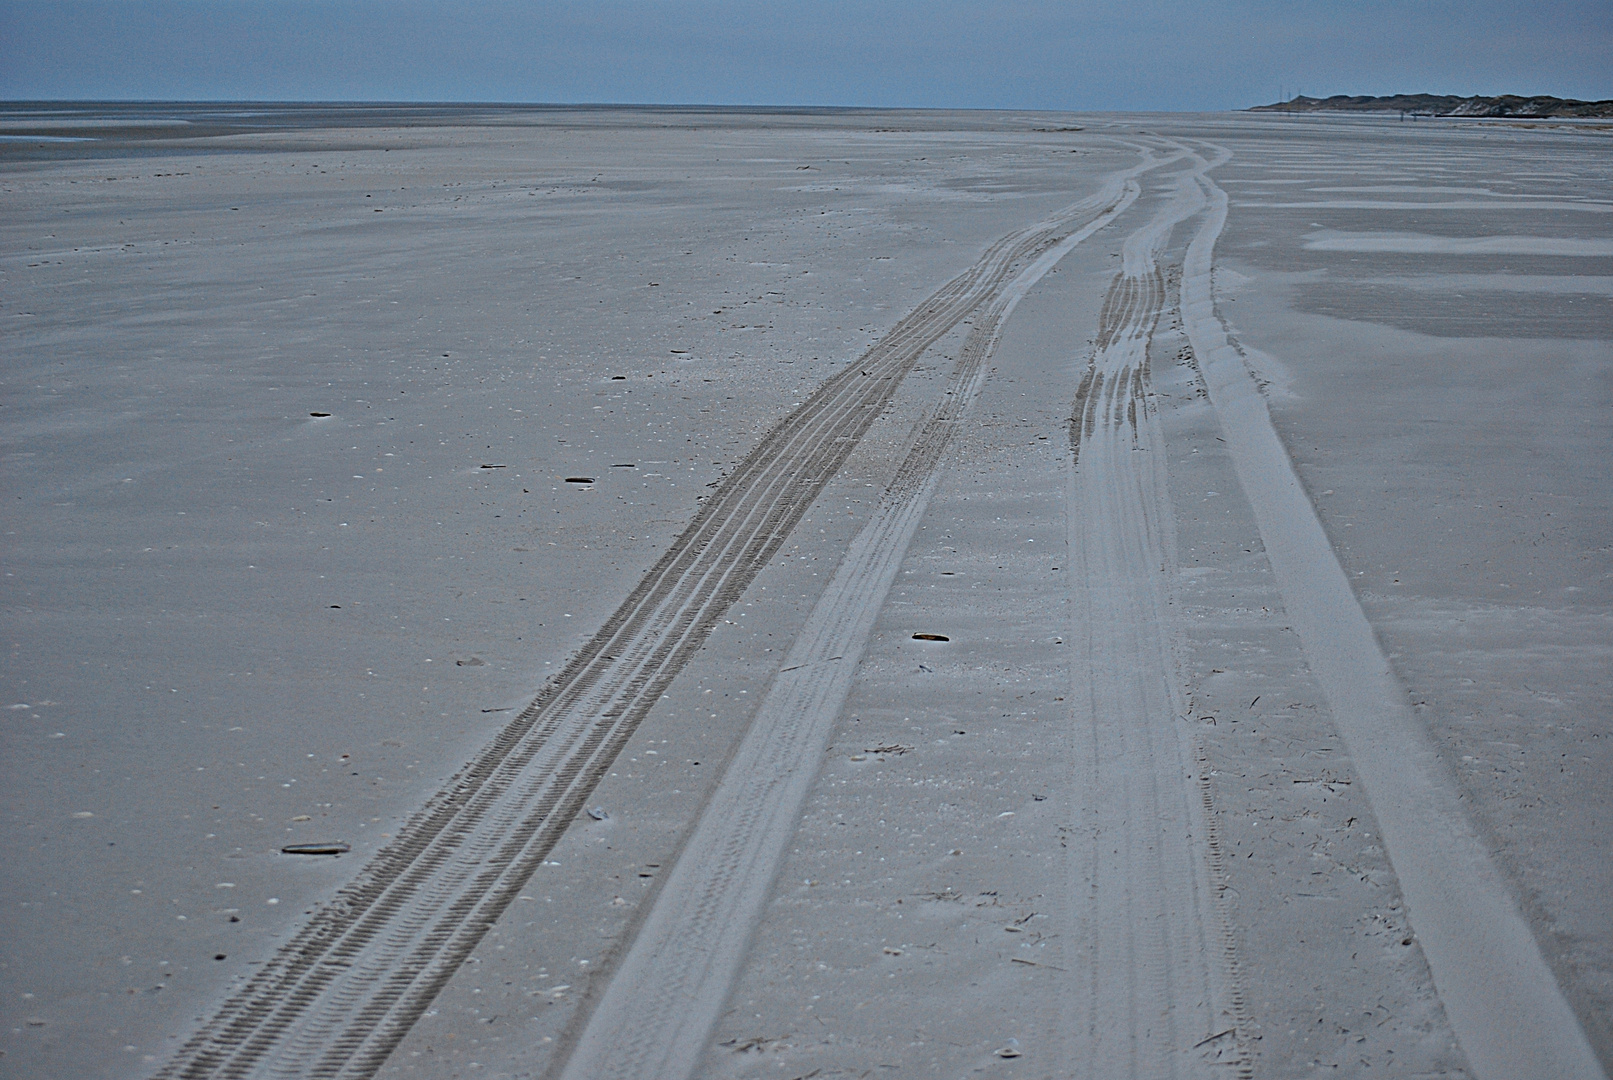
(298,415)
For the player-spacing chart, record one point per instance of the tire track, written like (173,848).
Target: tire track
(1157,994)
(1501,998)
(654,1020)
(340,995)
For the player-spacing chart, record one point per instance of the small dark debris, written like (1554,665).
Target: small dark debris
(319,414)
(336,607)
(495,466)
(218,956)
(618,378)
(931,637)
(315,849)
(579,479)
(475,661)
(624,466)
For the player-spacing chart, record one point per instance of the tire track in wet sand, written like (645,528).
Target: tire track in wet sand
(340,995)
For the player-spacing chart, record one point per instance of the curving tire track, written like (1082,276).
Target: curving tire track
(342,993)
(1501,997)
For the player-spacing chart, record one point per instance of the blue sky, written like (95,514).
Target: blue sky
(1081,55)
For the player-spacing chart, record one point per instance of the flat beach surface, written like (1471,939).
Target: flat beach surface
(804,593)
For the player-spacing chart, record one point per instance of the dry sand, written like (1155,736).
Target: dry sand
(1271,731)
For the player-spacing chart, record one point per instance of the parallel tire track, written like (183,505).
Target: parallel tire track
(337,998)
(654,1019)
(1158,994)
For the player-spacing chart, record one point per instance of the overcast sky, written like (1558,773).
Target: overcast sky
(1077,54)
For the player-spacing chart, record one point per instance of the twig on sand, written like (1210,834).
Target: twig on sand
(1217,1035)
(1033,963)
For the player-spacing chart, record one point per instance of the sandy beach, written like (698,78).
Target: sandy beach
(783,593)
